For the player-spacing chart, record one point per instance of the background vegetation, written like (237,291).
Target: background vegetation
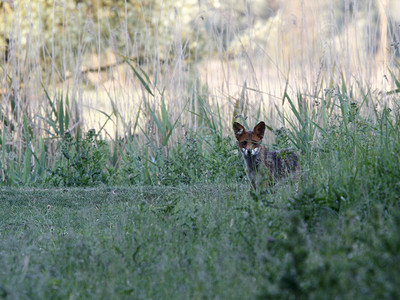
(151,78)
(119,173)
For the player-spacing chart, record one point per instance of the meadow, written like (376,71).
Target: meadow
(120,176)
(189,242)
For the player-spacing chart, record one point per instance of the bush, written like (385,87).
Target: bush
(81,162)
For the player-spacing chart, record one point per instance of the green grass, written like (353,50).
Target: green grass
(179,222)
(153,203)
(202,241)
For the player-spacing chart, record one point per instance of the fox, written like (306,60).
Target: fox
(264,168)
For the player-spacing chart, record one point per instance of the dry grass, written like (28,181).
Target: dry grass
(218,52)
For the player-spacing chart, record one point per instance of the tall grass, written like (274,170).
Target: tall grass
(175,86)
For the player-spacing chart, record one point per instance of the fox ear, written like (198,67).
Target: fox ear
(238,129)
(259,130)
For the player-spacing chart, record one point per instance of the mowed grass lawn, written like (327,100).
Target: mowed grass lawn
(189,242)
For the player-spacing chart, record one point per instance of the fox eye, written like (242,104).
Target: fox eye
(243,143)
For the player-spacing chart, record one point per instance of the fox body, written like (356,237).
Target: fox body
(264,167)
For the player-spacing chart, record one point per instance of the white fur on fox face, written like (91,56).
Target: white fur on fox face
(253,152)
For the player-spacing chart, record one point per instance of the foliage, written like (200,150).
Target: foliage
(206,235)
(197,158)
(81,162)
(348,151)
(192,241)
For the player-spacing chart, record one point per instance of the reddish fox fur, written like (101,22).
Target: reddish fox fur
(264,167)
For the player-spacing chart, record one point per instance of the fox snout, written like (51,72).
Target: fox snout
(250,152)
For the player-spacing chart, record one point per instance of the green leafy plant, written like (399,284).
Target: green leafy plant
(81,162)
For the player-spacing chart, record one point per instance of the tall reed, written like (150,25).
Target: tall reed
(144,76)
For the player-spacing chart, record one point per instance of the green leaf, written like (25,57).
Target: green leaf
(145,84)
(61,116)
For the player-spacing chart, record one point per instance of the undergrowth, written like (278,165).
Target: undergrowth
(347,147)
(333,235)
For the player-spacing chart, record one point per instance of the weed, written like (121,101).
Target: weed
(81,162)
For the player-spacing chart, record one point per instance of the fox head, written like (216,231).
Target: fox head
(249,141)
